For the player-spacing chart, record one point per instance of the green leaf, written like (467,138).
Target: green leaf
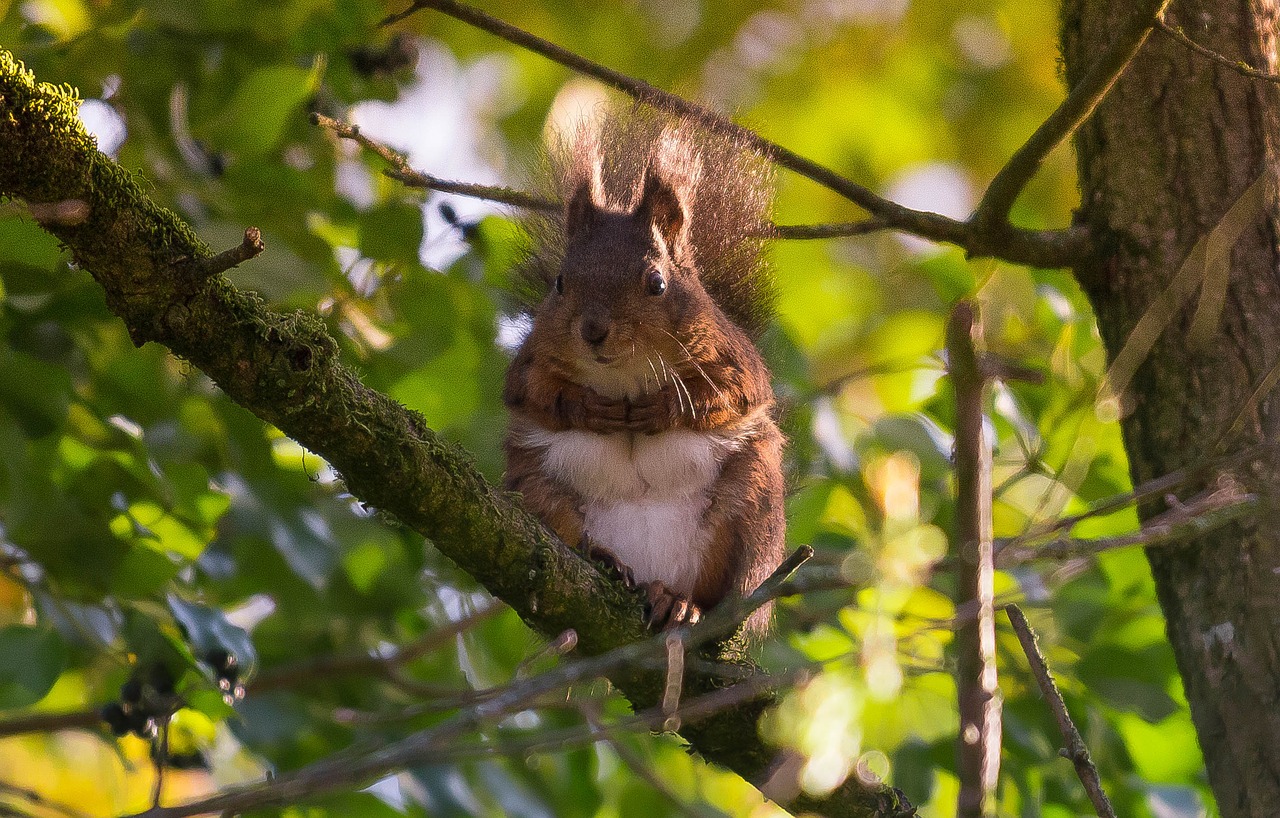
(207,629)
(33,658)
(254,120)
(391,233)
(36,393)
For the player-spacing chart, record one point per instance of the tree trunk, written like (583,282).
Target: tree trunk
(1179,142)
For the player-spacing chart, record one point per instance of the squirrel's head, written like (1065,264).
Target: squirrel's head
(627,289)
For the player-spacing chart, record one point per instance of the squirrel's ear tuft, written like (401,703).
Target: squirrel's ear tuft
(580,211)
(662,207)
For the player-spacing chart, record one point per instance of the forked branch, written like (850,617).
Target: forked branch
(992,213)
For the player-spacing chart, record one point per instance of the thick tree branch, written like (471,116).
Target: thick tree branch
(992,213)
(1045,248)
(284,368)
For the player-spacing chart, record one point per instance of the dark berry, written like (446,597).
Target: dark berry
(131,691)
(141,724)
(161,679)
(115,717)
(221,660)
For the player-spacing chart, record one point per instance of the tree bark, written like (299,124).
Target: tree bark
(1179,144)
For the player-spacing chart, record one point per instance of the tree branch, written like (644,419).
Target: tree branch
(1201,514)
(1075,749)
(284,368)
(1239,66)
(401,171)
(992,213)
(977,690)
(1043,248)
(353,768)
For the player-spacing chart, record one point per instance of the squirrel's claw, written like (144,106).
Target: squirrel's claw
(666,609)
(611,565)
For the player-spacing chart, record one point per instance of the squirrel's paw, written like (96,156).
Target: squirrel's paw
(665,609)
(650,413)
(611,565)
(603,415)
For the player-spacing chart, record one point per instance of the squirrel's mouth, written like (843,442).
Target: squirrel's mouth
(606,360)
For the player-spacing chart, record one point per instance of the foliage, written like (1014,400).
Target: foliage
(147,520)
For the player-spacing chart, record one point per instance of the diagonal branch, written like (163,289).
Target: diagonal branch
(1075,750)
(1239,66)
(992,212)
(1044,248)
(284,368)
(401,171)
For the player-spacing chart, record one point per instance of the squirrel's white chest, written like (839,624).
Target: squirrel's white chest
(644,495)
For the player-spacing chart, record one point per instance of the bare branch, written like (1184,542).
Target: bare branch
(1239,66)
(251,247)
(1052,248)
(86,719)
(977,689)
(36,799)
(992,213)
(367,663)
(402,172)
(828,231)
(347,769)
(1183,521)
(1075,750)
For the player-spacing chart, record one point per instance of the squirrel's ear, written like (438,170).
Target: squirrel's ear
(580,212)
(662,207)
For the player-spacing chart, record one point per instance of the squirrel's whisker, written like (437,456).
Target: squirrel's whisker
(689,357)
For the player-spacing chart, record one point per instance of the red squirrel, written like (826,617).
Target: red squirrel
(641,425)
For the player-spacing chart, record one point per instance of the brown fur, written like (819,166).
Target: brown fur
(612,351)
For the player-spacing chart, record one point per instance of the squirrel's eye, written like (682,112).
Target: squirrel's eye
(560,284)
(656,284)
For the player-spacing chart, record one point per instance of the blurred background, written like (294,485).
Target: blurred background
(145,520)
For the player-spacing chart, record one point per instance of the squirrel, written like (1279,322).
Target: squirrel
(641,413)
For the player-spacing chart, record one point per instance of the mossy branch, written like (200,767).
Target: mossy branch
(283,367)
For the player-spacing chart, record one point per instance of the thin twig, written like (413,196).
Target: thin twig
(33,797)
(1239,66)
(370,664)
(346,768)
(591,712)
(1201,514)
(404,173)
(828,231)
(251,247)
(977,688)
(993,211)
(1044,248)
(1075,750)
(161,759)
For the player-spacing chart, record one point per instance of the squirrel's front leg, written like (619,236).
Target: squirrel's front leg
(560,508)
(553,401)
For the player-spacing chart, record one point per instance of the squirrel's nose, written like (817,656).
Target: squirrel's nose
(594,330)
